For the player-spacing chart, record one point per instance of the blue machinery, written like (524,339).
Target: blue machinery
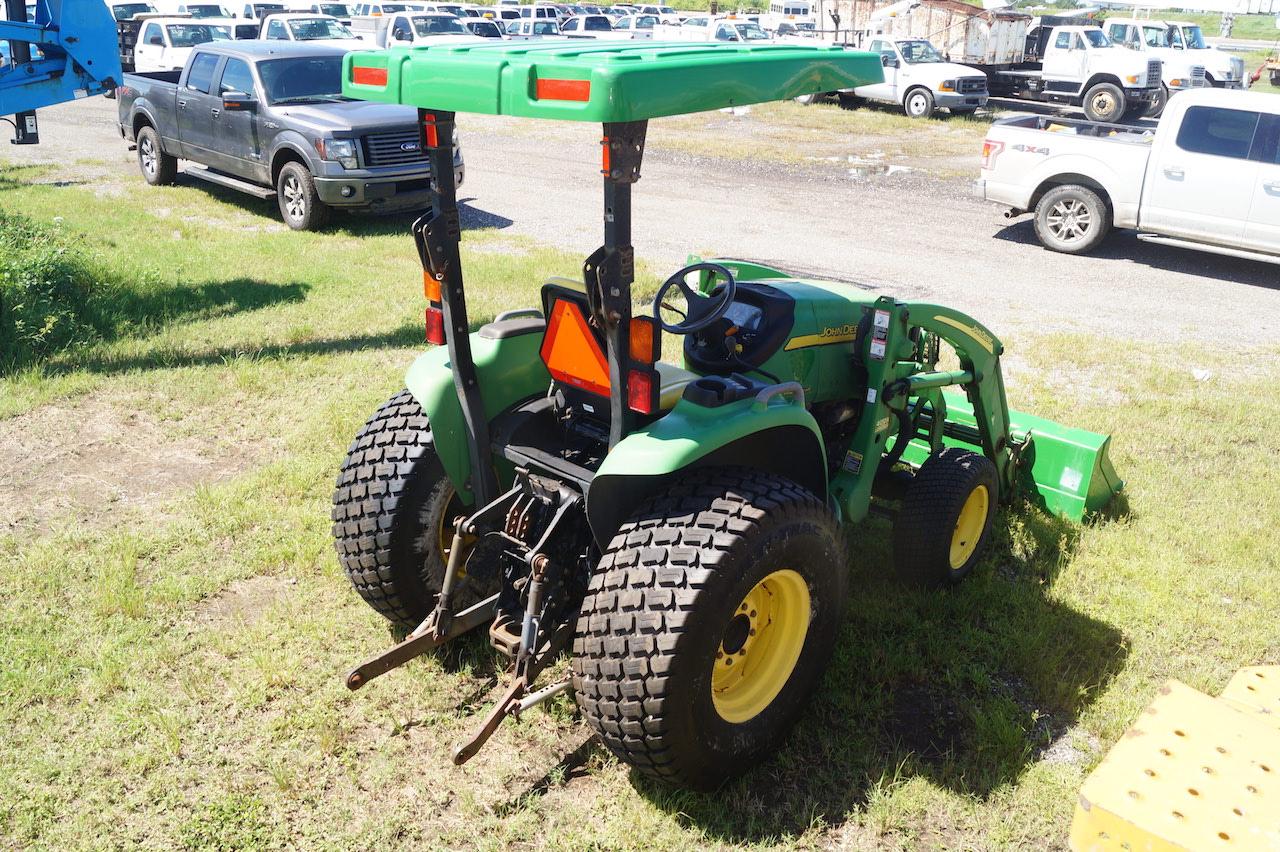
(68,52)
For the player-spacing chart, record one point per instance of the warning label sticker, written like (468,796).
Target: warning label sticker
(853,462)
(877,350)
(882,319)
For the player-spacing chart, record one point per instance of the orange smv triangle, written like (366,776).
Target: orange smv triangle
(571,352)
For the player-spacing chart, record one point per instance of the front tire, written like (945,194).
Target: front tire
(158,168)
(918,103)
(393,511)
(1072,219)
(1104,102)
(729,568)
(1156,107)
(945,520)
(300,204)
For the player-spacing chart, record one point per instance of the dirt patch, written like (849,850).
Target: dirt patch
(243,602)
(89,461)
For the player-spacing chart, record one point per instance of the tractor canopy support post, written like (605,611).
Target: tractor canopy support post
(610,270)
(439,235)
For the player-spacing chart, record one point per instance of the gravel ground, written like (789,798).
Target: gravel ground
(916,236)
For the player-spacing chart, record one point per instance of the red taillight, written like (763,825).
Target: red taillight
(641,391)
(990,150)
(435,326)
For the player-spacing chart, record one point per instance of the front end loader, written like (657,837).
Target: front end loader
(674,529)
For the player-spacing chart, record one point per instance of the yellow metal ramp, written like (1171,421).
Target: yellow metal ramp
(1194,772)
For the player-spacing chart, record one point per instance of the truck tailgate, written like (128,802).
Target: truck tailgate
(1024,153)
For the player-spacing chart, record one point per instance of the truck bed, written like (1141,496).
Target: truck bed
(1081,127)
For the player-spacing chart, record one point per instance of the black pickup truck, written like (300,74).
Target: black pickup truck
(268,118)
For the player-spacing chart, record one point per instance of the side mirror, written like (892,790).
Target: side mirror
(158,41)
(888,61)
(400,34)
(238,101)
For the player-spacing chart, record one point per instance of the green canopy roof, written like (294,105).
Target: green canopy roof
(601,80)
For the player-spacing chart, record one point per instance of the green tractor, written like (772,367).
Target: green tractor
(680,531)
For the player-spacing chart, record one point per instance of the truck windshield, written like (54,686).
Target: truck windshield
(311,29)
(189,35)
(438,25)
(1195,38)
(207,11)
(263,9)
(125,11)
(915,52)
(338,10)
(1096,38)
(302,79)
(1155,37)
(486,29)
(546,28)
(751,32)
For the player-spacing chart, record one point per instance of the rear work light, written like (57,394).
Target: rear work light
(435,326)
(642,391)
(990,150)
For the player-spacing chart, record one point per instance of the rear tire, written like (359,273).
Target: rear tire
(728,566)
(1072,219)
(393,511)
(300,204)
(918,103)
(158,168)
(945,519)
(1104,102)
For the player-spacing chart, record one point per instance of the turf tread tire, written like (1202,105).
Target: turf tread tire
(923,529)
(676,560)
(390,472)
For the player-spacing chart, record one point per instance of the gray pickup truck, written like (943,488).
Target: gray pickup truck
(269,119)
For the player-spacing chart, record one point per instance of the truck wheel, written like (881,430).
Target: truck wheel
(1072,219)
(393,510)
(708,623)
(1104,102)
(808,100)
(945,519)
(158,168)
(300,206)
(918,103)
(1157,105)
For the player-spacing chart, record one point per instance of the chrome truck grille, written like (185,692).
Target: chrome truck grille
(1153,73)
(1197,76)
(393,149)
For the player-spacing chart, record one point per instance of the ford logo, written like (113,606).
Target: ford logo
(410,146)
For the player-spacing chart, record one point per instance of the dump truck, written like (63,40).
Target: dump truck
(680,531)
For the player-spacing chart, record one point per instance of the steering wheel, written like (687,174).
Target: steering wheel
(703,309)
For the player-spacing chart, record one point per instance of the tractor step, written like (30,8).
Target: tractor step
(1194,772)
(1066,471)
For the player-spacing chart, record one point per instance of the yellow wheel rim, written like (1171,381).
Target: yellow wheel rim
(973,515)
(760,647)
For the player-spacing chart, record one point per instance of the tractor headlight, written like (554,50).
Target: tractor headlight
(1177,83)
(947,86)
(1132,79)
(342,151)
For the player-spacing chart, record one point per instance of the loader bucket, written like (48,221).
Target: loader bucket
(1065,471)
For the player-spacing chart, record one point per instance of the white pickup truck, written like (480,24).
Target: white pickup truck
(1207,178)
(917,78)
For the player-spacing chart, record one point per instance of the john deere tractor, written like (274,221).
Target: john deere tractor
(680,531)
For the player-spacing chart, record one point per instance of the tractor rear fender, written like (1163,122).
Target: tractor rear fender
(779,437)
(509,370)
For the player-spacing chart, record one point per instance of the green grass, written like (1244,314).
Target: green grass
(173,666)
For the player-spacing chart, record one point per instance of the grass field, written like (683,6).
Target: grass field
(174,642)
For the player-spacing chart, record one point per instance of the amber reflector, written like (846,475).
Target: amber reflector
(571,352)
(642,340)
(430,286)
